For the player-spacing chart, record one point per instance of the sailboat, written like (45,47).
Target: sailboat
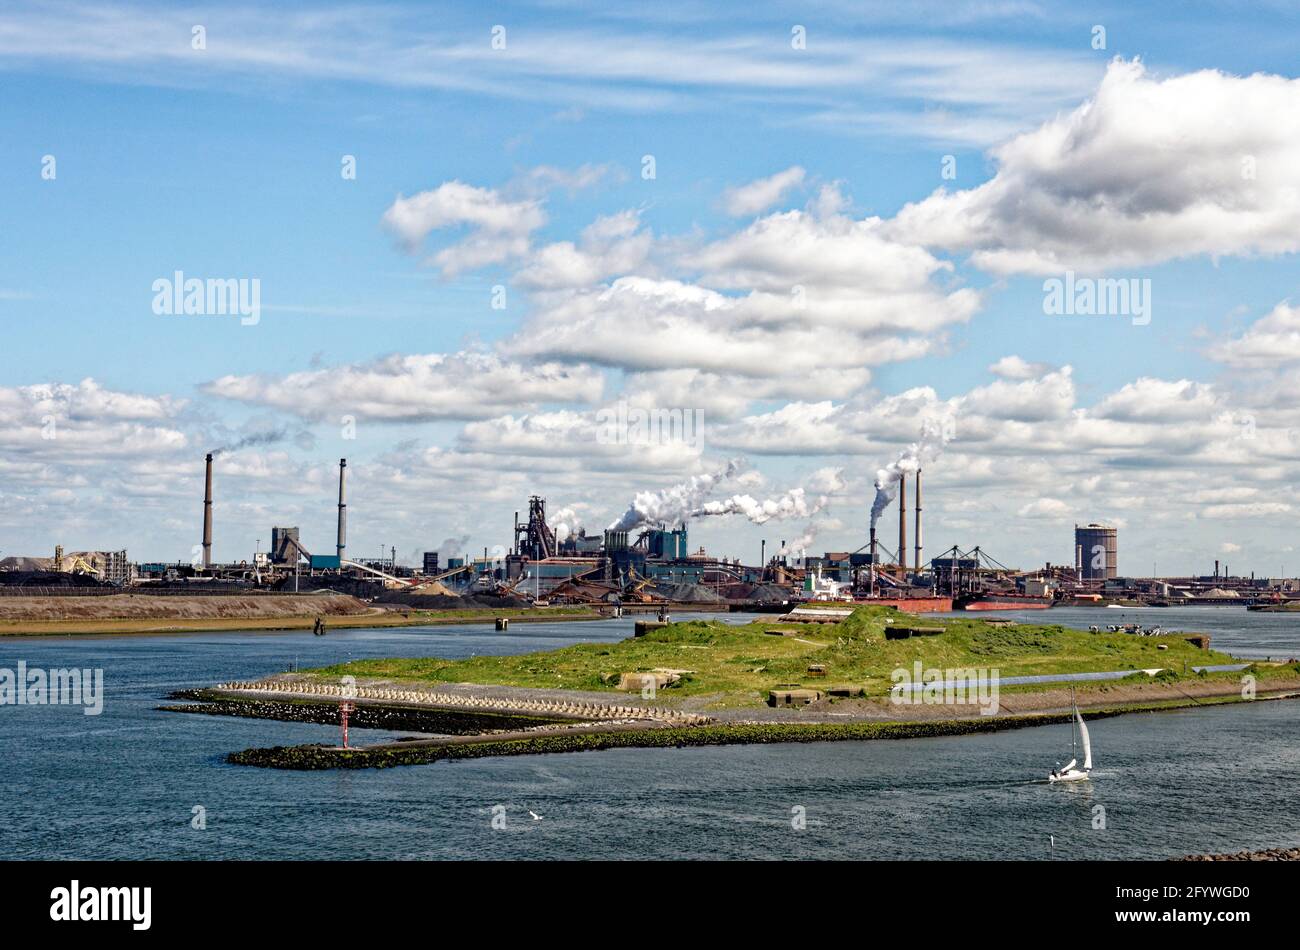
(1071,773)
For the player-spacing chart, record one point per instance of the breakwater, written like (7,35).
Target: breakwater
(311,757)
(1268,854)
(366,715)
(560,708)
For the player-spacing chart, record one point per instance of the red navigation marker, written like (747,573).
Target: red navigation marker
(345,707)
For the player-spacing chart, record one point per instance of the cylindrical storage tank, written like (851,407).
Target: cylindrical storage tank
(1098,547)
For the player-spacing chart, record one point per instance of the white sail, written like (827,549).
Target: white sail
(1087,744)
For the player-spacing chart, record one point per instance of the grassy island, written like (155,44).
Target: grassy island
(721,677)
(740,663)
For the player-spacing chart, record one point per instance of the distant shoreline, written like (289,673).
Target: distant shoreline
(258,621)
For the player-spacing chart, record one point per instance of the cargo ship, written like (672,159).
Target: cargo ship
(988,601)
(911,605)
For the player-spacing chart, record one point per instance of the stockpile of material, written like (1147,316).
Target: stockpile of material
(431,598)
(330,582)
(46,579)
(688,594)
(771,593)
(765,593)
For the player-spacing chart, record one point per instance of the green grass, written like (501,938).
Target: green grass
(741,663)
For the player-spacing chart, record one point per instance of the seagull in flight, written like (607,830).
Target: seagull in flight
(536,817)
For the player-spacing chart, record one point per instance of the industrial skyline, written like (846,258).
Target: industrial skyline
(711,219)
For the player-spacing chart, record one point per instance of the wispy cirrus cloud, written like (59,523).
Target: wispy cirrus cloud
(970,92)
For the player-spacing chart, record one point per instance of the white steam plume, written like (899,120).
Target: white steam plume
(791,504)
(800,545)
(911,460)
(672,506)
(568,522)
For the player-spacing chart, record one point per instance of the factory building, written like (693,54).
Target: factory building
(284,545)
(1096,552)
(666,545)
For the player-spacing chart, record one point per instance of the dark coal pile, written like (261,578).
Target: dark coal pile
(342,585)
(764,593)
(689,594)
(47,579)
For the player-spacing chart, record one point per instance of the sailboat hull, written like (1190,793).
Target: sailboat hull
(1074,775)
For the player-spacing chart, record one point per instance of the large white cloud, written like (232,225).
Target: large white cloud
(415,387)
(1271,341)
(86,400)
(1160,400)
(611,245)
(69,424)
(499,229)
(793,294)
(1147,170)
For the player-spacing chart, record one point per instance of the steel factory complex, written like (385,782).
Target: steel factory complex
(652,566)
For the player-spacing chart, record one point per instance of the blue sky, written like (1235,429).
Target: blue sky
(225,162)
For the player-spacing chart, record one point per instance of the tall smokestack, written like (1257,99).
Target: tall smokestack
(902,522)
(207,512)
(343,509)
(873,560)
(918,519)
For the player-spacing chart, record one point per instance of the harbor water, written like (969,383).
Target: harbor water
(134,782)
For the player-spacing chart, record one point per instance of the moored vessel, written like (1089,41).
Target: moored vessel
(988,601)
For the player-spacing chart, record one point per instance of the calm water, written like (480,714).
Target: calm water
(1234,630)
(122,785)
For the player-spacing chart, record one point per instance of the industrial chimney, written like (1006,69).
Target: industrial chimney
(918,519)
(207,513)
(873,560)
(343,509)
(902,522)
